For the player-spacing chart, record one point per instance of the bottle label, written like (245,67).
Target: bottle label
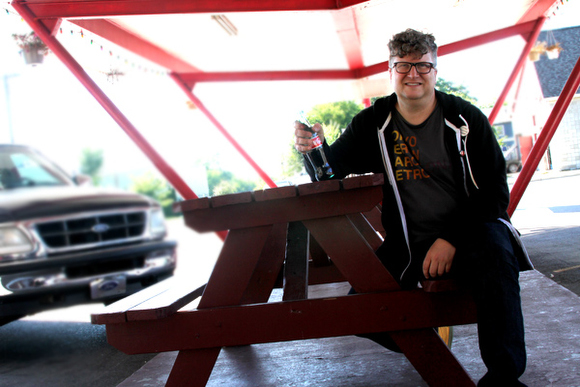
(316,142)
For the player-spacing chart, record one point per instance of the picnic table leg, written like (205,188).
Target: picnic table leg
(193,368)
(432,358)
(226,287)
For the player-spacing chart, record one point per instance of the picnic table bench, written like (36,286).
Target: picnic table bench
(313,234)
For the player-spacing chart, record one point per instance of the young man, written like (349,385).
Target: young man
(445,199)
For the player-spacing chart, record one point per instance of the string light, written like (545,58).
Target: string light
(112,53)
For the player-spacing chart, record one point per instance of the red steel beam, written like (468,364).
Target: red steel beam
(566,96)
(243,76)
(77,70)
(519,29)
(106,8)
(538,9)
(348,34)
(187,90)
(113,32)
(356,73)
(517,69)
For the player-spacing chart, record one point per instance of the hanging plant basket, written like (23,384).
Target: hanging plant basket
(534,56)
(32,48)
(33,57)
(553,51)
(537,51)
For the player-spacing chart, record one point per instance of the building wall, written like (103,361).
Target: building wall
(565,145)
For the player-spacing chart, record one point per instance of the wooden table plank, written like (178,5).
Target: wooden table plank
(294,320)
(353,256)
(305,206)
(116,312)
(167,303)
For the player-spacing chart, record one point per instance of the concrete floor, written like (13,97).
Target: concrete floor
(552,320)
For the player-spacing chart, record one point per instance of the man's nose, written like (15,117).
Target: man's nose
(413,72)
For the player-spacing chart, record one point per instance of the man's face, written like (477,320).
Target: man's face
(413,87)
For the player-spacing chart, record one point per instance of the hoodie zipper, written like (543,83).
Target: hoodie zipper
(461,136)
(393,183)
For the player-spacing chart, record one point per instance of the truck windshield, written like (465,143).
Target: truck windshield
(19,168)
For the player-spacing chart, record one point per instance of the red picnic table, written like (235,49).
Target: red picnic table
(268,235)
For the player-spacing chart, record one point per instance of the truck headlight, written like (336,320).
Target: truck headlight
(157,222)
(13,240)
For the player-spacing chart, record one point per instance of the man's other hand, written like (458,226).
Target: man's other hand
(438,259)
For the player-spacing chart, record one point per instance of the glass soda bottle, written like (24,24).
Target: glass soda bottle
(315,155)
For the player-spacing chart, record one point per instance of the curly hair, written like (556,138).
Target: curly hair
(412,42)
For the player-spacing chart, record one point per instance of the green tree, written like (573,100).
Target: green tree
(334,117)
(156,188)
(450,88)
(91,163)
(224,182)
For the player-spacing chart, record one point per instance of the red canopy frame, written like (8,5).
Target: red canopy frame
(44,18)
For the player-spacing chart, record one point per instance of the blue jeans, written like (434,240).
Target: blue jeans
(487,265)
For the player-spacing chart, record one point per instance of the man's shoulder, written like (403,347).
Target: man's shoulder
(454,106)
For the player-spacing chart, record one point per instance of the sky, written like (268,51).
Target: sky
(47,108)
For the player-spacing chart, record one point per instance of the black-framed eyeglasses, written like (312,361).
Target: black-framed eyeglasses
(421,67)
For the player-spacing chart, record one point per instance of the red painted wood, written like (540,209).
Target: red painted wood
(167,303)
(193,368)
(283,210)
(366,230)
(432,358)
(319,187)
(374,218)
(269,266)
(324,275)
(275,193)
(116,312)
(235,266)
(363,181)
(294,320)
(191,205)
(352,255)
(231,199)
(317,253)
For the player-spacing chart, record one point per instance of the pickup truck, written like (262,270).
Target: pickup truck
(64,242)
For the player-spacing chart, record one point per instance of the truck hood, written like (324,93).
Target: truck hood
(41,202)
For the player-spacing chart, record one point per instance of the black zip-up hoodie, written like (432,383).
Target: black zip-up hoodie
(478,166)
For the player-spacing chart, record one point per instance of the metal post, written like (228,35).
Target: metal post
(545,136)
(519,65)
(187,90)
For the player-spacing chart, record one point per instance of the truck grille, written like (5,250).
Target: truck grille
(79,232)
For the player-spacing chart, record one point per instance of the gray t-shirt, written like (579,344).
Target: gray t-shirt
(424,175)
